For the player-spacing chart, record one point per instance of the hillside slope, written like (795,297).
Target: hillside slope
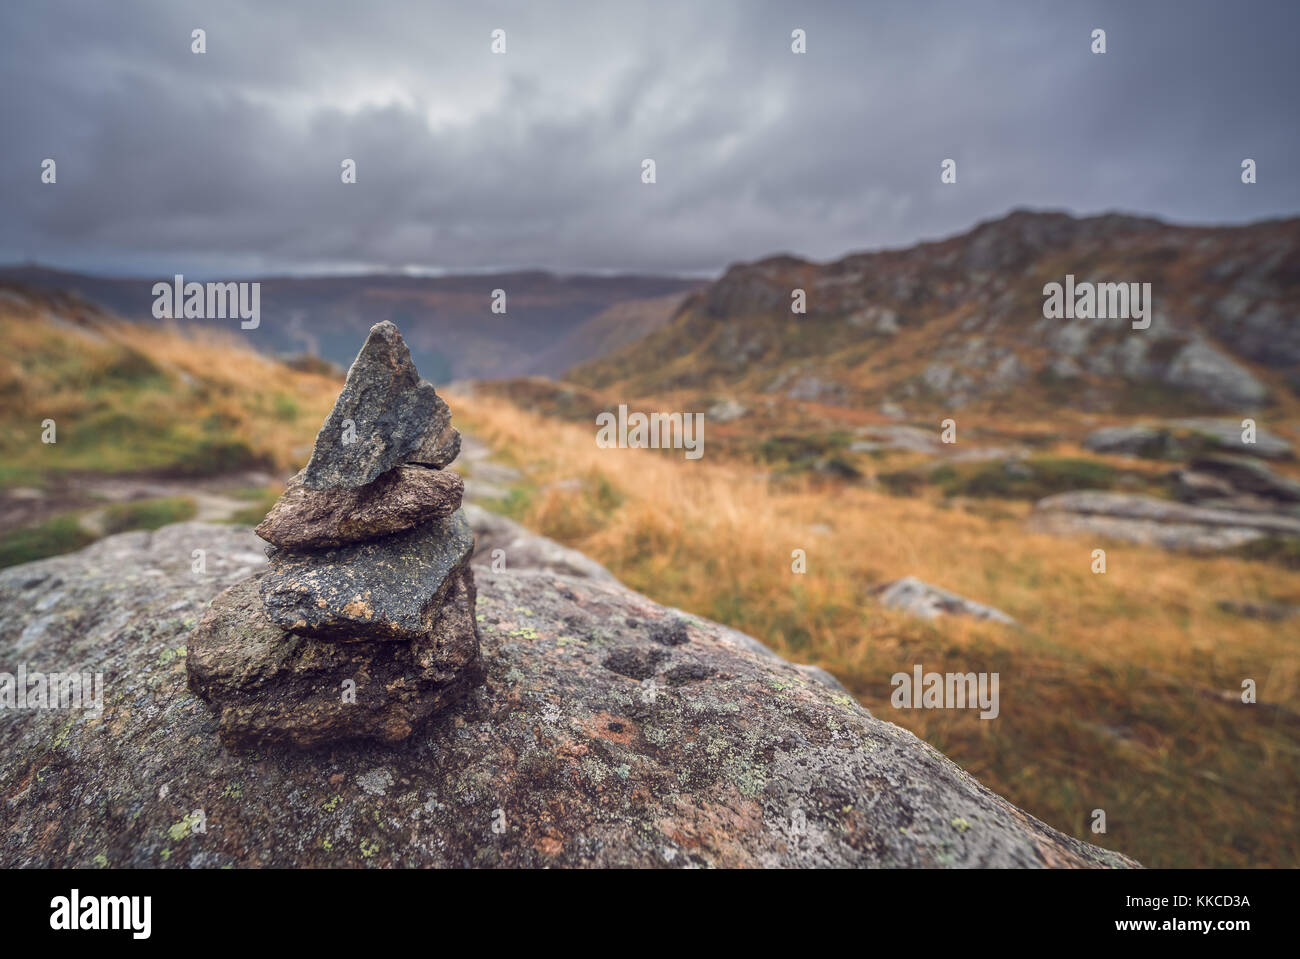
(448,321)
(959,323)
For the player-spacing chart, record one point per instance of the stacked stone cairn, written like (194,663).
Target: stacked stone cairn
(363,626)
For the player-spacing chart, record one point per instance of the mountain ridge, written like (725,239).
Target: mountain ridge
(959,321)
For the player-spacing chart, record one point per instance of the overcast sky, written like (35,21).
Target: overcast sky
(229,162)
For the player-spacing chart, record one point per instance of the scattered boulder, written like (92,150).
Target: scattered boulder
(896,437)
(1227,436)
(1270,612)
(1181,439)
(1147,441)
(727,409)
(915,596)
(1248,476)
(501,543)
(366,622)
(1146,519)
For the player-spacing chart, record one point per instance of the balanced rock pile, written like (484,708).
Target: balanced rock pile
(364,624)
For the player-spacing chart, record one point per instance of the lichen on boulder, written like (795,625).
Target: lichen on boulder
(724,755)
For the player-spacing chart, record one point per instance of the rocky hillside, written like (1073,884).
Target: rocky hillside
(611,731)
(959,323)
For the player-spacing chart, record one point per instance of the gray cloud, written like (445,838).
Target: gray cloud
(229,161)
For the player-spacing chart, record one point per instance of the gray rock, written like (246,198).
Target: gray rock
(915,596)
(502,543)
(1249,476)
(1147,441)
(897,437)
(1200,368)
(727,409)
(1146,519)
(268,686)
(396,418)
(1178,439)
(584,766)
(386,589)
(1179,537)
(399,500)
(1270,612)
(1227,435)
(1135,506)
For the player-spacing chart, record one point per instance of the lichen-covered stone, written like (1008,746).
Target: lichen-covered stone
(384,589)
(725,756)
(399,500)
(385,416)
(269,686)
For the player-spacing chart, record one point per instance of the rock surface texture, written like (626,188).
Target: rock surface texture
(927,601)
(385,416)
(364,626)
(401,499)
(610,731)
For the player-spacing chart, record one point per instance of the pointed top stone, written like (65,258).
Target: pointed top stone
(385,416)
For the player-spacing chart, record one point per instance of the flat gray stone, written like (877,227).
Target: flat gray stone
(385,416)
(386,589)
(269,686)
(919,598)
(400,499)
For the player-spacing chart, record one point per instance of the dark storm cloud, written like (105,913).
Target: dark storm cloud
(229,161)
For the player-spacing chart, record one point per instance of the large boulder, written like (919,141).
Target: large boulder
(610,731)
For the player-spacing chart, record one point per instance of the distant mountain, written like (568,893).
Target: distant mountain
(448,321)
(960,323)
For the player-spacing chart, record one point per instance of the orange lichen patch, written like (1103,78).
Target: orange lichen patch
(359,609)
(549,845)
(618,729)
(572,750)
(714,827)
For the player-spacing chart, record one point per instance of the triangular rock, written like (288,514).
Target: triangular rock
(385,416)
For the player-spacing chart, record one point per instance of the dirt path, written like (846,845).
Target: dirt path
(215,498)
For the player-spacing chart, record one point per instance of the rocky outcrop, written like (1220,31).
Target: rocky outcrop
(609,731)
(959,323)
(1180,439)
(1147,519)
(1201,369)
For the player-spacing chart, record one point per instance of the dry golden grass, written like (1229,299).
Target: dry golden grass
(1119,691)
(130,398)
